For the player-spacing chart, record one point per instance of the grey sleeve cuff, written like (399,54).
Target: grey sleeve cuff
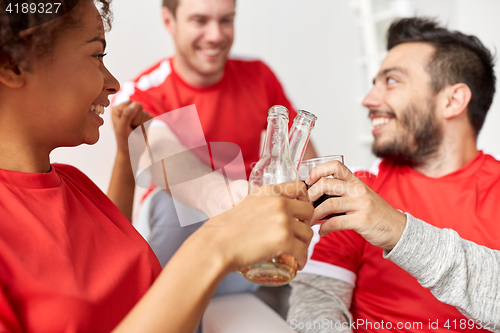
(418,240)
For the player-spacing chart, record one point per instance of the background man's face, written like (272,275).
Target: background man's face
(203,34)
(402,106)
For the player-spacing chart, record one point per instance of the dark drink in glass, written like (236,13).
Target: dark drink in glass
(306,167)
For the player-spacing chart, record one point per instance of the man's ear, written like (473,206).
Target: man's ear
(168,20)
(457,100)
(10,75)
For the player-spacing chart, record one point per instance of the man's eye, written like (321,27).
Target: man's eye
(200,21)
(100,56)
(390,80)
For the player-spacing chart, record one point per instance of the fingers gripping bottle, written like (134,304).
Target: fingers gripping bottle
(274,167)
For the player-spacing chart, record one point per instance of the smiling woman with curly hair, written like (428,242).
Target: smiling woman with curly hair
(70,261)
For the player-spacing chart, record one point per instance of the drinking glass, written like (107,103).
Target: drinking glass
(306,167)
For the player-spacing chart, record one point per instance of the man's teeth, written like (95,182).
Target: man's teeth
(376,122)
(98,109)
(211,52)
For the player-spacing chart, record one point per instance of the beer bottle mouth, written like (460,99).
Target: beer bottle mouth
(308,114)
(278,110)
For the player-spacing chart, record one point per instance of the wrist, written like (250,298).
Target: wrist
(208,242)
(122,154)
(398,230)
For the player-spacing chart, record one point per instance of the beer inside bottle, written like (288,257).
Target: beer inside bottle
(274,167)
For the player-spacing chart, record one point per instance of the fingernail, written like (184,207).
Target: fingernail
(308,179)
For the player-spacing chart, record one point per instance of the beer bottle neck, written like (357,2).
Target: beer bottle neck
(276,142)
(299,135)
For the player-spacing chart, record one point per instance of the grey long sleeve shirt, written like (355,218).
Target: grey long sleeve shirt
(457,272)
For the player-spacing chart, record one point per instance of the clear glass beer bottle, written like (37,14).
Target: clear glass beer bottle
(274,167)
(299,135)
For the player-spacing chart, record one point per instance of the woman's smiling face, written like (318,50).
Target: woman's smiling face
(70,87)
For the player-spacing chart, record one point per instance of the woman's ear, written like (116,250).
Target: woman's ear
(458,97)
(11,75)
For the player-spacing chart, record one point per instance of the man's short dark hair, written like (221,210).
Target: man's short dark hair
(173,4)
(458,58)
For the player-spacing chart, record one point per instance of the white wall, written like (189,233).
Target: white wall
(312,46)
(480,18)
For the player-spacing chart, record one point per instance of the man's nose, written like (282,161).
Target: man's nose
(373,99)
(214,32)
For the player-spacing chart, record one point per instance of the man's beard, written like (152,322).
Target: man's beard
(420,139)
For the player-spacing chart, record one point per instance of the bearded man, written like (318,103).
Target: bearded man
(427,106)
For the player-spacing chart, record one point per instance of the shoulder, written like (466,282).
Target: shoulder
(71,174)
(372,171)
(490,168)
(491,158)
(161,66)
(68,171)
(152,77)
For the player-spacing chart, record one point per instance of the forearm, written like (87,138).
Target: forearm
(456,271)
(178,298)
(174,164)
(224,244)
(122,185)
(187,170)
(323,302)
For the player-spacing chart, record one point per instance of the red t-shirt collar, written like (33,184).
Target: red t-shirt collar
(30,180)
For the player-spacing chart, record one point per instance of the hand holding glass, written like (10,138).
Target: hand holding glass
(306,167)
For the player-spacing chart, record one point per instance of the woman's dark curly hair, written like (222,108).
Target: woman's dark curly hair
(19,48)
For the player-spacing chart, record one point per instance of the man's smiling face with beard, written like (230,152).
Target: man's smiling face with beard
(402,106)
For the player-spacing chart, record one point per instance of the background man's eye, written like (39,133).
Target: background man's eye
(390,80)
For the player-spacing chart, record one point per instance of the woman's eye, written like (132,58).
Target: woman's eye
(100,56)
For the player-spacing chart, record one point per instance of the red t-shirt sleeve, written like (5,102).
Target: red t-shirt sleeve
(340,248)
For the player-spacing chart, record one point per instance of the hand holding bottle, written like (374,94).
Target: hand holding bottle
(274,167)
(271,221)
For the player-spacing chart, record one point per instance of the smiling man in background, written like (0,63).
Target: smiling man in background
(427,106)
(232,97)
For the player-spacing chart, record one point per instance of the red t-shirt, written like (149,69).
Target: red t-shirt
(69,260)
(466,200)
(233,110)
